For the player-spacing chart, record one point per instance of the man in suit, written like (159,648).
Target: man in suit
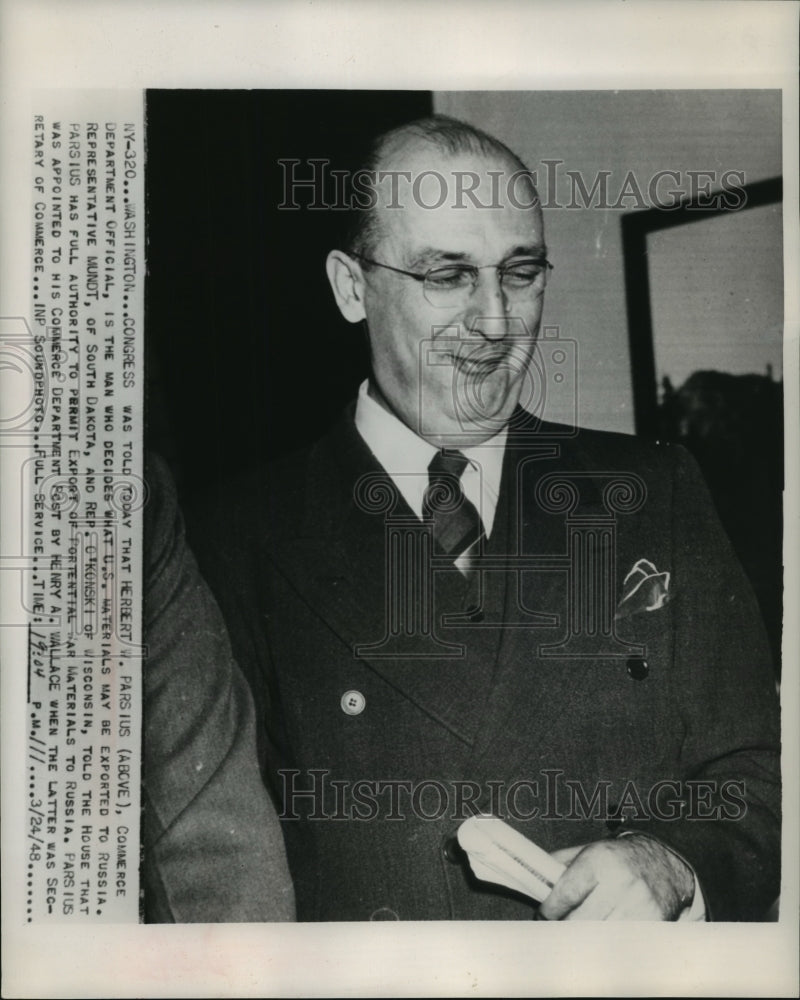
(448,606)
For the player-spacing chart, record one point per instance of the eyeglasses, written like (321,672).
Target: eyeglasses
(453,284)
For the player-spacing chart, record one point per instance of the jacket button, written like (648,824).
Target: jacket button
(474,613)
(637,668)
(384,913)
(452,850)
(353,702)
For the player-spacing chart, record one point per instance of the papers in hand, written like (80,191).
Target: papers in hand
(497,853)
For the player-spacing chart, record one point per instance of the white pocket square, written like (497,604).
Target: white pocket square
(645,588)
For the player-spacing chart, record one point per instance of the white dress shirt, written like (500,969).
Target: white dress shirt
(406,456)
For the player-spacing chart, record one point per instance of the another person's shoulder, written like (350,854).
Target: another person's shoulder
(162,522)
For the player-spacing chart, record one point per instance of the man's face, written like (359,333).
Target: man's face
(459,368)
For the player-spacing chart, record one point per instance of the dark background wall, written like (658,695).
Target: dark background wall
(248,355)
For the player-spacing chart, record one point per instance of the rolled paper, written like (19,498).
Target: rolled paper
(498,853)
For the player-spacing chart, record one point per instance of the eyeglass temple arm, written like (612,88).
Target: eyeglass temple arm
(397,270)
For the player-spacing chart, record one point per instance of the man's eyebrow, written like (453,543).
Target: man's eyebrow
(527,250)
(432,255)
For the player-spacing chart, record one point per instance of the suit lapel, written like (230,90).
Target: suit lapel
(337,560)
(334,550)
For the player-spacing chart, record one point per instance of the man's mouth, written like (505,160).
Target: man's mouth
(478,363)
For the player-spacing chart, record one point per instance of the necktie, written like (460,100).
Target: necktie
(456,523)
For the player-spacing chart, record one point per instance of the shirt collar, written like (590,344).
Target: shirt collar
(405,456)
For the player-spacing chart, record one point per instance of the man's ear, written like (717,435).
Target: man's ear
(347,283)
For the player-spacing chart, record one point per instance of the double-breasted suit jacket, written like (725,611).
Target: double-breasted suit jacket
(392,708)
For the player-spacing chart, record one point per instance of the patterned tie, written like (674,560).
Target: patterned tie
(456,523)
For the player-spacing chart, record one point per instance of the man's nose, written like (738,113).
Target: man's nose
(489,306)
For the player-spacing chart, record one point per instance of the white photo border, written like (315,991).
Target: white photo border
(436,45)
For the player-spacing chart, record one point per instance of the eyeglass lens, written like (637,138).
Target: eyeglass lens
(451,285)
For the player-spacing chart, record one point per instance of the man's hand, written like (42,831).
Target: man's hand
(632,878)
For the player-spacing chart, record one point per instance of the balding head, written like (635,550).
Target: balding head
(422,162)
